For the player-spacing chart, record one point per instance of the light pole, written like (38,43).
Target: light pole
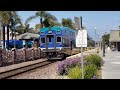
(98,41)
(95,37)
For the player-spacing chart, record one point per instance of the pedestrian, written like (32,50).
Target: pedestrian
(108,48)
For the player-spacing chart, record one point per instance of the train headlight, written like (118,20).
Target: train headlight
(60,48)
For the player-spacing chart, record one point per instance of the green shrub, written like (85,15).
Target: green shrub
(94,59)
(75,73)
(90,71)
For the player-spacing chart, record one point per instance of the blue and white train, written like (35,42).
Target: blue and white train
(57,41)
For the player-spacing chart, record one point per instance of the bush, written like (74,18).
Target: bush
(94,59)
(90,71)
(64,66)
(75,73)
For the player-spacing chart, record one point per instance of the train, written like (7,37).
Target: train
(17,43)
(57,42)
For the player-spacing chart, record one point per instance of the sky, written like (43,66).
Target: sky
(104,21)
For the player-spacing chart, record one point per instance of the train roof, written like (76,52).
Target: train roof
(55,28)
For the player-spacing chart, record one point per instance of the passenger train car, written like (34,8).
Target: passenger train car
(18,44)
(57,41)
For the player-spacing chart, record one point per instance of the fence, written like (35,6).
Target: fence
(7,56)
(20,55)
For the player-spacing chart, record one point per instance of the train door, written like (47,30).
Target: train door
(50,41)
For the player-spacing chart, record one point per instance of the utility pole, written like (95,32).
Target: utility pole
(95,37)
(103,46)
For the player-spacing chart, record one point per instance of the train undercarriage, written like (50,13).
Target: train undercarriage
(52,54)
(55,55)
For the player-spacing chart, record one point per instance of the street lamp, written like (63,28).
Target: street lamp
(98,41)
(95,37)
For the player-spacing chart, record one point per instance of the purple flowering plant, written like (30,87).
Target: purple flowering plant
(64,66)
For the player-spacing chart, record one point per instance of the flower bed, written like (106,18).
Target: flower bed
(92,66)
(64,66)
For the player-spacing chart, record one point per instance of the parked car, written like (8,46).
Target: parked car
(113,48)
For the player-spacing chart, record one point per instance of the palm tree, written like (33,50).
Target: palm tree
(24,27)
(9,18)
(119,31)
(6,17)
(68,22)
(50,20)
(44,15)
(37,28)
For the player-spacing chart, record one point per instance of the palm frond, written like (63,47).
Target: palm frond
(29,19)
(41,13)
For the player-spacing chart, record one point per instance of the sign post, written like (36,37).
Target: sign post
(81,41)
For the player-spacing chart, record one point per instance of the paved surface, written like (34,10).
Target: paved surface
(111,67)
(84,53)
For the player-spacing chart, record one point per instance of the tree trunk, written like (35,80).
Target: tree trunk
(41,22)
(12,32)
(8,36)
(3,36)
(11,27)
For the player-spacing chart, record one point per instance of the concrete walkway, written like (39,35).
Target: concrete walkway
(111,67)
(93,51)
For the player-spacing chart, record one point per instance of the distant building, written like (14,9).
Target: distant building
(115,38)
(78,22)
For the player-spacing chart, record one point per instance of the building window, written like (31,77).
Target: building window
(58,39)
(43,39)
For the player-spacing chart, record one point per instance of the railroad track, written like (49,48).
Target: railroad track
(17,71)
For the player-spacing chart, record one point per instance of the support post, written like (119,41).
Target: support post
(82,63)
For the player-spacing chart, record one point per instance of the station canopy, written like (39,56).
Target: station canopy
(28,36)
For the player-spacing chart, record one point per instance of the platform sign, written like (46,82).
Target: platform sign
(81,38)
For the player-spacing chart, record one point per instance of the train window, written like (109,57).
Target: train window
(65,31)
(43,39)
(50,39)
(70,33)
(58,39)
(41,32)
(63,40)
(73,33)
(58,32)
